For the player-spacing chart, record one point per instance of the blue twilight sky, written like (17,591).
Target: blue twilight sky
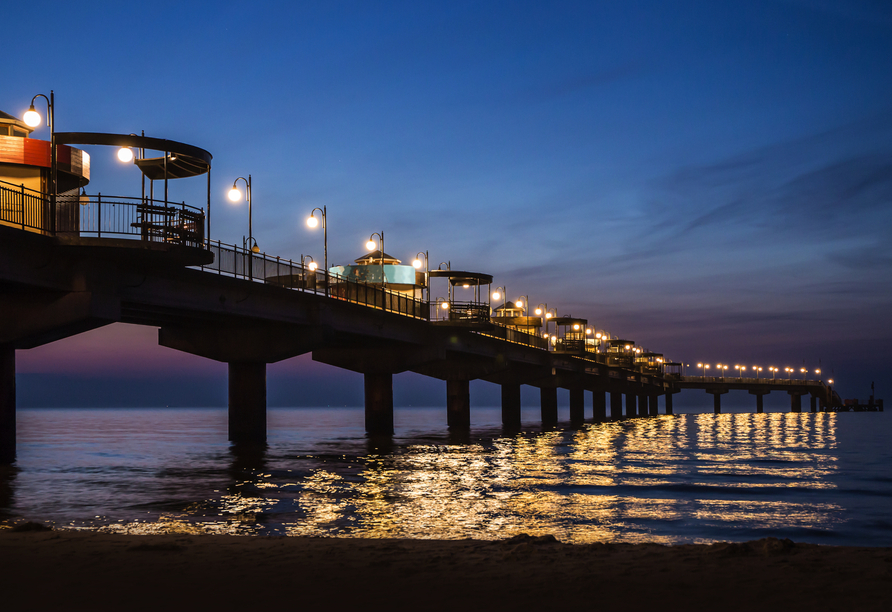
(710,179)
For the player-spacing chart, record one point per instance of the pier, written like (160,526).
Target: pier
(71,262)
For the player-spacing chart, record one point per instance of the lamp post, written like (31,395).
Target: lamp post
(32,119)
(235,195)
(417,265)
(789,372)
(249,244)
(504,294)
(312,222)
(370,245)
(773,371)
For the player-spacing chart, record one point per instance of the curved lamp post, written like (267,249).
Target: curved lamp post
(313,222)
(496,295)
(32,119)
(235,195)
(417,265)
(370,245)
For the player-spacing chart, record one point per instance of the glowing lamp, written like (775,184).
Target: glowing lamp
(32,118)
(312,221)
(235,195)
(496,295)
(576,326)
(255,249)
(370,245)
(125,154)
(416,264)
(444,305)
(519,303)
(313,265)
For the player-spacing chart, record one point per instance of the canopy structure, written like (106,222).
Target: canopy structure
(457,277)
(178,159)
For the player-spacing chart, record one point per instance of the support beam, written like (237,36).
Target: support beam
(7,404)
(378,403)
(247,402)
(577,404)
(814,403)
(458,403)
(669,403)
(760,404)
(599,405)
(795,401)
(511,405)
(549,402)
(616,405)
(653,406)
(642,404)
(716,399)
(631,404)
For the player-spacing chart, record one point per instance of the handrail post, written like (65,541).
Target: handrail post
(99,215)
(23,205)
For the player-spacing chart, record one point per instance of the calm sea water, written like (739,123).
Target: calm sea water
(823,478)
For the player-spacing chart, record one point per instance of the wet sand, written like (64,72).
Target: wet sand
(72,570)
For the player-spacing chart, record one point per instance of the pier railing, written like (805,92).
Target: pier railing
(240,262)
(751,381)
(103,216)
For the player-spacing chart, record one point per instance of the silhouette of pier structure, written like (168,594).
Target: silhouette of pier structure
(70,263)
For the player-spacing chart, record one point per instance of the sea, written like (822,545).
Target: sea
(823,478)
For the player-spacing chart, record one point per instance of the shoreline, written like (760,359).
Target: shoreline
(67,569)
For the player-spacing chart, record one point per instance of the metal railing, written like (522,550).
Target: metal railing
(240,262)
(751,381)
(462,312)
(23,207)
(517,337)
(98,215)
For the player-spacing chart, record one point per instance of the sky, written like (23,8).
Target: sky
(712,180)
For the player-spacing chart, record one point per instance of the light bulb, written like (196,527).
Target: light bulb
(312,221)
(235,195)
(32,118)
(125,154)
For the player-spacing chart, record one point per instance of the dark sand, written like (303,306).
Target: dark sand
(71,570)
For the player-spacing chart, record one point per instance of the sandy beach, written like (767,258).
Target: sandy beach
(78,570)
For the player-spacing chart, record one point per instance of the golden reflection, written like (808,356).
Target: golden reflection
(634,480)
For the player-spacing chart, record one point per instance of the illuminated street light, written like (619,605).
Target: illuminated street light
(417,265)
(500,293)
(313,222)
(32,119)
(235,195)
(370,245)
(125,154)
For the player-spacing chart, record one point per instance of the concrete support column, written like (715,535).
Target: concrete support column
(716,401)
(795,402)
(616,404)
(379,403)
(814,403)
(458,403)
(760,403)
(7,404)
(668,403)
(642,404)
(577,404)
(247,402)
(599,405)
(511,405)
(653,406)
(549,403)
(631,404)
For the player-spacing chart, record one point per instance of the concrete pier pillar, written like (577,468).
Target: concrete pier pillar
(653,406)
(760,403)
(716,401)
(7,404)
(458,403)
(379,403)
(511,405)
(247,402)
(577,404)
(668,403)
(616,404)
(599,405)
(814,403)
(549,402)
(631,404)
(795,402)
(642,404)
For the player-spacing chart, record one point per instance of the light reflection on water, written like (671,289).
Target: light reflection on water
(670,479)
